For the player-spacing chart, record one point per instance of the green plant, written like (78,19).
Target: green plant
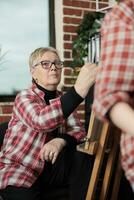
(89,27)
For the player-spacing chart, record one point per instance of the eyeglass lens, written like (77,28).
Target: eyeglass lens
(48,64)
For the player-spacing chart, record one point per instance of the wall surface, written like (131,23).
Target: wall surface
(73,13)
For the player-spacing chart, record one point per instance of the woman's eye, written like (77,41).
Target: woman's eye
(46,63)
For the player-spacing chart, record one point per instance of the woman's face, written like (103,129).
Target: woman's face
(47,78)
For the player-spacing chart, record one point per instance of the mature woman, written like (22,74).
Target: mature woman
(43,130)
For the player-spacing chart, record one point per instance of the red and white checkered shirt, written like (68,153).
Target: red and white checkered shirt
(29,128)
(115,82)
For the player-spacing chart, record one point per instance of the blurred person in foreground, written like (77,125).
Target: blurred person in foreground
(114,89)
(43,132)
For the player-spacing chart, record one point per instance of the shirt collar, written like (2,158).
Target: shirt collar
(40,93)
(37,91)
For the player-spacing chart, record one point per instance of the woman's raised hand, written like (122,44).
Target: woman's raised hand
(85,79)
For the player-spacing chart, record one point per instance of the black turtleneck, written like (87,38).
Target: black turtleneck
(51,95)
(48,94)
(69,101)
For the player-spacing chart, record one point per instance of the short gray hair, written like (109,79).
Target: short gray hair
(37,53)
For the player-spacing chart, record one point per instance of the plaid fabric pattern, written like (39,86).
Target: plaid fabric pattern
(29,128)
(115,82)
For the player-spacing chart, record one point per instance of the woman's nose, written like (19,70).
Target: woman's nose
(53,67)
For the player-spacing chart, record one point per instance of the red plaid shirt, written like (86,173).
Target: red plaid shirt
(29,128)
(115,82)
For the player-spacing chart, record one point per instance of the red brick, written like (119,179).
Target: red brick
(80,4)
(4,118)
(67,71)
(67,45)
(67,54)
(67,37)
(69,29)
(67,2)
(70,20)
(93,5)
(7,109)
(102,5)
(67,11)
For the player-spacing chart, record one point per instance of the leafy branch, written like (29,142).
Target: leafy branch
(89,26)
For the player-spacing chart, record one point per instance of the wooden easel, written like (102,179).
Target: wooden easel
(99,143)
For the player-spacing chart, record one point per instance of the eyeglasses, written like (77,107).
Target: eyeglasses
(46,64)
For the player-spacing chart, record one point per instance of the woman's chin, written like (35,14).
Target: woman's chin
(54,81)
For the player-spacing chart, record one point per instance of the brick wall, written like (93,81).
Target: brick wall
(5,111)
(73,13)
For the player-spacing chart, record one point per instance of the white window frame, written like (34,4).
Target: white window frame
(109,5)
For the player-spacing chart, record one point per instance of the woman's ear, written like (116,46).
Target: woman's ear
(32,70)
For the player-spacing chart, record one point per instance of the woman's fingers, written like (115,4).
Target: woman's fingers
(45,153)
(48,155)
(55,155)
(51,155)
(50,150)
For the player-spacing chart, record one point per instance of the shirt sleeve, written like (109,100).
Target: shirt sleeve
(74,131)
(115,82)
(69,101)
(70,140)
(35,114)
(73,127)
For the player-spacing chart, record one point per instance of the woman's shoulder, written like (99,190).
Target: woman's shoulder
(25,93)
